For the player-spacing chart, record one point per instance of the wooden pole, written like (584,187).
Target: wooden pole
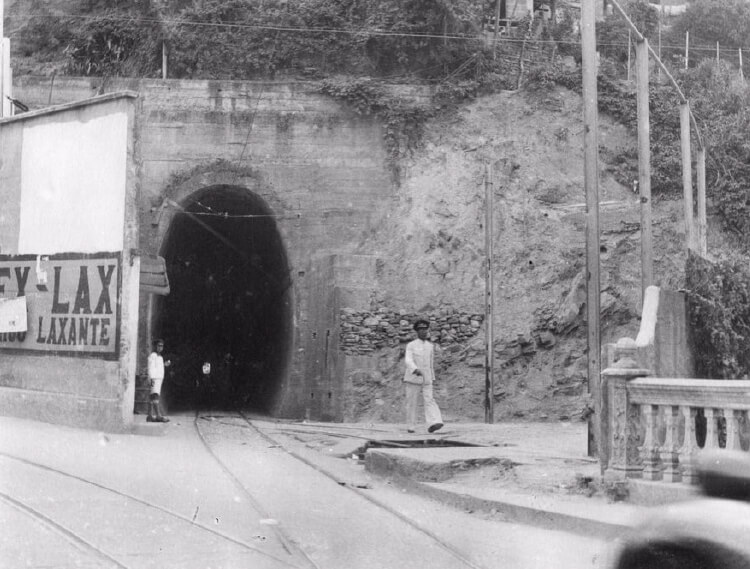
(687,173)
(742,72)
(701,182)
(717,54)
(591,185)
(5,72)
(6,79)
(489,359)
(644,165)
(687,43)
(497,28)
(661,13)
(630,47)
(639,36)
(163,59)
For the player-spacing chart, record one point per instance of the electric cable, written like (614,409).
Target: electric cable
(364,31)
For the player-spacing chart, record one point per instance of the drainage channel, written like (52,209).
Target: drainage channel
(410,443)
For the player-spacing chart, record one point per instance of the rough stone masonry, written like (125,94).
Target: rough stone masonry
(362,332)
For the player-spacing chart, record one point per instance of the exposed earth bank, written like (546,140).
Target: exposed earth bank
(431,251)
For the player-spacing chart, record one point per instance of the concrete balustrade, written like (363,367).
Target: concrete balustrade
(653,422)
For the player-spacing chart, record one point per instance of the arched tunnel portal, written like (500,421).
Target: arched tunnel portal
(229,305)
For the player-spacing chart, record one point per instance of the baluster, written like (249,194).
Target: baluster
(712,436)
(690,449)
(650,448)
(733,429)
(670,455)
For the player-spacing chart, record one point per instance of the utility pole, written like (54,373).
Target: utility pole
(686,117)
(489,319)
(5,73)
(701,196)
(687,174)
(591,184)
(630,47)
(644,164)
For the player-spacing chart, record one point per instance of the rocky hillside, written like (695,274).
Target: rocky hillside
(431,242)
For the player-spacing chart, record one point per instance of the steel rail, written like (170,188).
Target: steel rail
(60,529)
(289,545)
(127,496)
(360,492)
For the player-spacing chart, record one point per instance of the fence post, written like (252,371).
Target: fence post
(742,73)
(163,59)
(621,419)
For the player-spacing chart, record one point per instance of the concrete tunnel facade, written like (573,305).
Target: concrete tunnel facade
(262,192)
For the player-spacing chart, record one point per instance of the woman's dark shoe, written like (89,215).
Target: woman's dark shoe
(151,419)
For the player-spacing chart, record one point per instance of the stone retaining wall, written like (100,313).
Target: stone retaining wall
(363,332)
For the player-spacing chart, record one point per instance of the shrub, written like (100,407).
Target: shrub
(719,304)
(612,32)
(116,43)
(250,38)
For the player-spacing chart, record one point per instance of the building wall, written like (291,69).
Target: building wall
(70,186)
(322,168)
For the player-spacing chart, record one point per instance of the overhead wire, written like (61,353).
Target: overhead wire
(361,31)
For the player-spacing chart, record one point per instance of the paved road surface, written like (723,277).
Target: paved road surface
(226,497)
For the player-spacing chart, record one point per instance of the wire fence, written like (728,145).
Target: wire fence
(516,45)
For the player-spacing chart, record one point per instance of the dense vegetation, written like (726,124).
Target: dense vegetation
(245,39)
(720,316)
(726,22)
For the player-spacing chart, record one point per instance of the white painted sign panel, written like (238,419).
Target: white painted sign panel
(73,181)
(13,315)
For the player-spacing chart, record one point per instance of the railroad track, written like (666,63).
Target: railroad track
(94,547)
(366,494)
(85,542)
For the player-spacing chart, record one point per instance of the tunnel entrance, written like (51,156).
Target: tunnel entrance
(229,306)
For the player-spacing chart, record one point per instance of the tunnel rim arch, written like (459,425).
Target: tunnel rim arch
(182,193)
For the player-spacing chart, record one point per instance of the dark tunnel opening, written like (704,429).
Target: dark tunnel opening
(229,304)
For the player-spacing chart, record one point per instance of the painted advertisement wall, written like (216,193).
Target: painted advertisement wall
(72,304)
(68,268)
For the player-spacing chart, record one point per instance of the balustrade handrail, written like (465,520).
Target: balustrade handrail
(706,393)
